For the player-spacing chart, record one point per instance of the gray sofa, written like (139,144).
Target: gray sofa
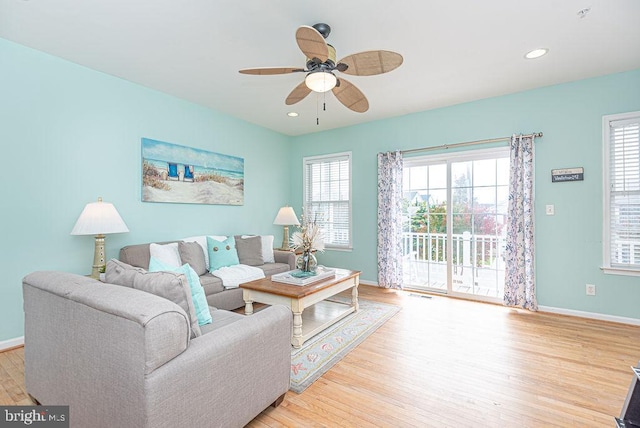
(138,255)
(119,356)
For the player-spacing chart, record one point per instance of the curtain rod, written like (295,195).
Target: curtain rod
(468,143)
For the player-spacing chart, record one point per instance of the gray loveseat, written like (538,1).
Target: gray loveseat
(217,296)
(122,357)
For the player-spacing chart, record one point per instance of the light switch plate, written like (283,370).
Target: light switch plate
(550,210)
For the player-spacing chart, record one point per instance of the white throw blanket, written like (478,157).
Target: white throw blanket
(232,276)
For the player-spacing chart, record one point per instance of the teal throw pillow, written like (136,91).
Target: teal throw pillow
(197,292)
(222,253)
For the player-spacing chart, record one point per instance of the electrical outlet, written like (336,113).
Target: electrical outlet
(550,210)
(591,290)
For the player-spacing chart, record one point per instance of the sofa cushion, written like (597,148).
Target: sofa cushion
(249,250)
(220,319)
(120,273)
(167,253)
(273,268)
(172,286)
(222,253)
(197,292)
(211,284)
(191,253)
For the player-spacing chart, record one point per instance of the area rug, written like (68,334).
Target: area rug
(324,350)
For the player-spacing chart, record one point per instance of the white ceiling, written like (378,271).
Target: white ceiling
(454,51)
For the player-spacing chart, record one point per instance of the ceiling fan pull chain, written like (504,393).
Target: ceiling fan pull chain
(317,110)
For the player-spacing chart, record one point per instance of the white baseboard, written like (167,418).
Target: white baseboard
(590,315)
(570,312)
(11,343)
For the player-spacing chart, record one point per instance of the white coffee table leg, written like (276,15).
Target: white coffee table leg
(354,298)
(248,307)
(296,339)
(248,302)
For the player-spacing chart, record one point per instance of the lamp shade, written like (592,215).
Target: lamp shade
(286,216)
(320,81)
(99,218)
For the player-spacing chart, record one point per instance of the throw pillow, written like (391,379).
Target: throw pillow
(249,250)
(267,248)
(202,241)
(191,254)
(120,273)
(167,253)
(172,286)
(197,292)
(222,253)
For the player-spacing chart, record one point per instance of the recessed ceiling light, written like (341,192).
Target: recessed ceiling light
(536,53)
(292,114)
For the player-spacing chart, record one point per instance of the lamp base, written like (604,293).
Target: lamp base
(98,258)
(285,239)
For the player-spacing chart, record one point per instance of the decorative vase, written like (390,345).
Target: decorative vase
(307,262)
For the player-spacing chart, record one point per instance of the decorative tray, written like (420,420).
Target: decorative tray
(298,277)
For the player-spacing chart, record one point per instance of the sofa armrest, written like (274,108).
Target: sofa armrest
(287,257)
(226,377)
(90,343)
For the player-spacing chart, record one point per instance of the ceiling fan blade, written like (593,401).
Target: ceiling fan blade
(370,63)
(350,96)
(298,94)
(311,43)
(270,70)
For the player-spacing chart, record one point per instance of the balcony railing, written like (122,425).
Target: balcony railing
(477,262)
(467,249)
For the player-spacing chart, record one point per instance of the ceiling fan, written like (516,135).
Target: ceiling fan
(321,67)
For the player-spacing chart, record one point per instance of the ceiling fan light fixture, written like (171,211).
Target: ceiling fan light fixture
(320,81)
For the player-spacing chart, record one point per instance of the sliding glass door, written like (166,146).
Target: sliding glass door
(454,224)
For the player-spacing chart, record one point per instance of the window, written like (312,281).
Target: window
(622,193)
(327,196)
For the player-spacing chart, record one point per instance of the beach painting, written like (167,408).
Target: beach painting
(186,175)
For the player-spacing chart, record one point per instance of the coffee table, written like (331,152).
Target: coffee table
(312,313)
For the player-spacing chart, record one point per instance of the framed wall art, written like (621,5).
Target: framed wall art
(186,175)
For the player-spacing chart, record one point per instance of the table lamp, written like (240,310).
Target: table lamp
(286,216)
(99,219)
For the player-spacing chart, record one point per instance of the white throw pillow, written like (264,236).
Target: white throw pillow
(267,249)
(166,253)
(202,241)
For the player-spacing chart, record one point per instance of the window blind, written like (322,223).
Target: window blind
(624,193)
(327,197)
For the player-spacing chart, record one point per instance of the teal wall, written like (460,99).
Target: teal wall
(69,135)
(569,244)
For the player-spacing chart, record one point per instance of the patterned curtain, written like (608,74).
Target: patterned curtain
(390,219)
(519,287)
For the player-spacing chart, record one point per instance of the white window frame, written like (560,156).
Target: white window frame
(497,152)
(606,227)
(329,158)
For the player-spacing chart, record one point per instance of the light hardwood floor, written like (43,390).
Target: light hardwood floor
(444,362)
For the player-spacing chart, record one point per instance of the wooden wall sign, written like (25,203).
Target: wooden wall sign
(567,174)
